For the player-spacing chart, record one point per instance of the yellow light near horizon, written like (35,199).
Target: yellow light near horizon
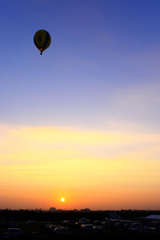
(91,169)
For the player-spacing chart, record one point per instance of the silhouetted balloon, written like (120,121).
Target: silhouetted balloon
(42,40)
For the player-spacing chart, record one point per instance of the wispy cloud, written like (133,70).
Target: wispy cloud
(29,145)
(131,108)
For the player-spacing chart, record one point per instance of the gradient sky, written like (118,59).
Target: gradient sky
(82,120)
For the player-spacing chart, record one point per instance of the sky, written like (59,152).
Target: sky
(81,121)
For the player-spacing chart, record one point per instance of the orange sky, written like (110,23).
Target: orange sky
(97,170)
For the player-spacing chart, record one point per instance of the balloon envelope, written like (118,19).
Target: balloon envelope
(42,40)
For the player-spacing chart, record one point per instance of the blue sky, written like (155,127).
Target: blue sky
(102,53)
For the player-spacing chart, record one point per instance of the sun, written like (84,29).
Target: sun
(62,199)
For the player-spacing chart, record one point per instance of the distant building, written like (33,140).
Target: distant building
(52,209)
(85,210)
(59,210)
(154,217)
(75,210)
(38,210)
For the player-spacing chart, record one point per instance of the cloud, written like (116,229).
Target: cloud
(132,109)
(34,145)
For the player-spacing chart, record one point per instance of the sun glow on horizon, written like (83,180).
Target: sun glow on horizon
(86,168)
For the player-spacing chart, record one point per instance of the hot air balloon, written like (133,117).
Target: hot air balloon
(42,40)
